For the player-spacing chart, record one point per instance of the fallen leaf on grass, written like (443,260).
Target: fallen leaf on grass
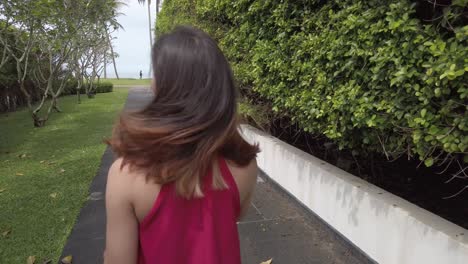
(22,156)
(62,170)
(67,259)
(53,195)
(267,262)
(42,161)
(19,174)
(31,260)
(6,233)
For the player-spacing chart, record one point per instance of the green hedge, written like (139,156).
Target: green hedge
(104,87)
(101,87)
(366,74)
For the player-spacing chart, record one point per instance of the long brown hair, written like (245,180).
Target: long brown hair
(191,120)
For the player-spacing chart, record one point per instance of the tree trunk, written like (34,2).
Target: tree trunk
(26,94)
(90,92)
(105,64)
(86,84)
(37,120)
(55,106)
(150,32)
(20,80)
(92,87)
(78,95)
(5,56)
(78,88)
(49,110)
(149,25)
(105,71)
(112,53)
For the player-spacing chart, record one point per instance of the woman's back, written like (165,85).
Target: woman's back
(173,229)
(198,230)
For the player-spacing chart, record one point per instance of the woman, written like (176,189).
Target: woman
(184,175)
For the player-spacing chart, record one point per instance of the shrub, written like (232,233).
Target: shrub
(104,87)
(70,87)
(72,84)
(367,74)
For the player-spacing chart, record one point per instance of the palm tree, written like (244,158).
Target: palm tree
(110,22)
(109,43)
(149,22)
(158,2)
(149,16)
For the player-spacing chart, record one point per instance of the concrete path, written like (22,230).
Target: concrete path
(276,226)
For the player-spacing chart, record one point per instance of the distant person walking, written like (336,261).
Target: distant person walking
(141,74)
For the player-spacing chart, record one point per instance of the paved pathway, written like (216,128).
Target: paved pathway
(276,226)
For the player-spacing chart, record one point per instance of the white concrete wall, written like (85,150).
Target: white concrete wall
(387,228)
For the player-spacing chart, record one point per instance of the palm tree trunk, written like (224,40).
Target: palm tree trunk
(112,53)
(150,32)
(149,24)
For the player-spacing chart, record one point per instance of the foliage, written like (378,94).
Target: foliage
(174,13)
(101,87)
(256,114)
(367,74)
(104,87)
(47,42)
(45,181)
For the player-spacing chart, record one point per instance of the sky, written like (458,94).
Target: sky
(132,43)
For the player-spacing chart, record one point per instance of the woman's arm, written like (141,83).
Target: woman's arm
(122,224)
(246,180)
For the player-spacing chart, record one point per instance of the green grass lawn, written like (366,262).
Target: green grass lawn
(128,81)
(45,173)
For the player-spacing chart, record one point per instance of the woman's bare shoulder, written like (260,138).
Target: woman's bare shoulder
(118,172)
(250,170)
(120,175)
(116,166)
(245,176)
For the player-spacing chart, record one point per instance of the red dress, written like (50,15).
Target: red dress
(193,231)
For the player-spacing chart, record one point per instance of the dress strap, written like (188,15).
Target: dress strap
(163,192)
